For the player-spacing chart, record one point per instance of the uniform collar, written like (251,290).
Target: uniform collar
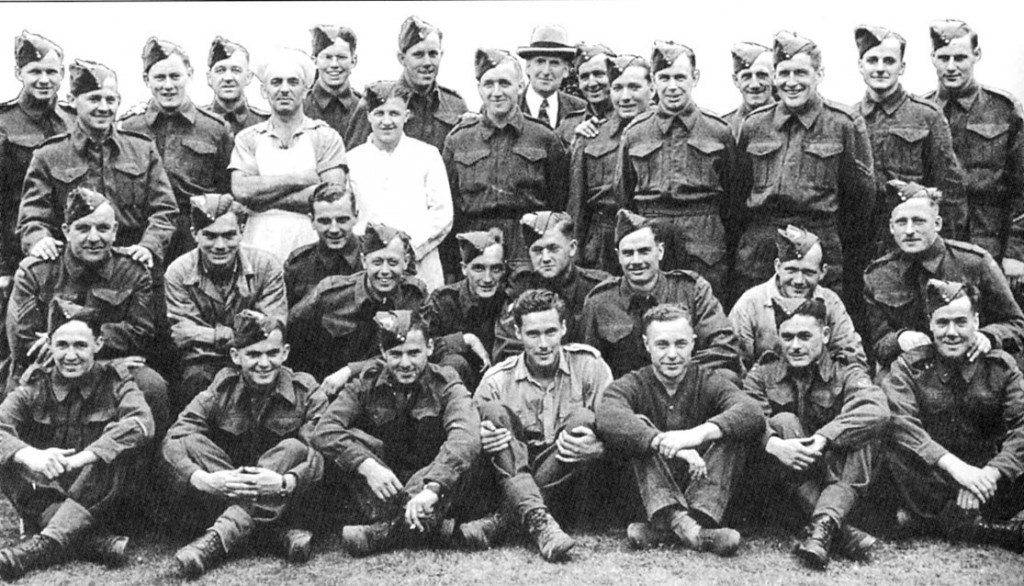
(965,97)
(186,111)
(616,123)
(888,105)
(627,291)
(62,387)
(946,369)
(515,122)
(806,117)
(366,293)
(349,253)
(432,94)
(931,258)
(687,117)
(323,98)
(35,109)
(240,113)
(823,368)
(773,292)
(77,269)
(80,139)
(242,265)
(283,388)
(522,372)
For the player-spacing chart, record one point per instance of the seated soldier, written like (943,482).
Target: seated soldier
(894,285)
(70,435)
(825,417)
(551,243)
(90,272)
(537,424)
(336,251)
(333,325)
(956,452)
(403,434)
(239,452)
(799,268)
(612,315)
(685,429)
(208,286)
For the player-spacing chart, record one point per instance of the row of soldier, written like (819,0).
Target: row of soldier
(290,173)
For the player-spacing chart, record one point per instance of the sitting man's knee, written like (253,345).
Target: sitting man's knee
(787,425)
(496,413)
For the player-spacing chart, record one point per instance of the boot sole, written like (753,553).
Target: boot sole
(189,566)
(813,559)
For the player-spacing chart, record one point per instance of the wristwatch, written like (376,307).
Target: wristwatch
(284,486)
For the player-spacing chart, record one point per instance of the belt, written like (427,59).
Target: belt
(672,208)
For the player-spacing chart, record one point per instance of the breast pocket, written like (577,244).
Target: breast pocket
(472,169)
(702,170)
(987,145)
(646,163)
(111,304)
(529,171)
(824,405)
(98,420)
(131,193)
(284,425)
(600,161)
(68,178)
(613,332)
(197,161)
(763,162)
(906,151)
(821,164)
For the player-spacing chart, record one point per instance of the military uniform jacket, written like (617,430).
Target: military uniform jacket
(566,129)
(426,432)
(120,291)
(333,325)
(201,313)
(837,400)
(308,265)
(243,116)
(910,141)
(593,172)
(735,118)
(195,146)
(102,411)
(611,322)
(987,125)
(125,167)
(894,290)
(816,163)
(246,423)
(337,111)
(453,310)
(573,287)
(20,133)
(974,410)
(503,173)
(703,396)
(434,114)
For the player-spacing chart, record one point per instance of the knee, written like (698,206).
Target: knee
(459,364)
(496,413)
(581,418)
(786,425)
(292,449)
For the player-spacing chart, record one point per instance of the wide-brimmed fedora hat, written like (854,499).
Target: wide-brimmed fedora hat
(548,39)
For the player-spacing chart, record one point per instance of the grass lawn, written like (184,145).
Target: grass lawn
(601,558)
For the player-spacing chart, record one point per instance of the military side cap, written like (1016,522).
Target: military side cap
(88,76)
(665,53)
(621,63)
(939,293)
(744,54)
(325,35)
(251,327)
(944,32)
(787,307)
(29,47)
(904,190)
(207,208)
(868,37)
(413,31)
(473,244)
(156,50)
(627,222)
(586,52)
(377,93)
(487,59)
(548,39)
(81,202)
(61,311)
(793,243)
(222,49)
(378,236)
(393,327)
(535,224)
(789,44)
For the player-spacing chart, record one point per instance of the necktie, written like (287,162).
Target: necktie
(543,112)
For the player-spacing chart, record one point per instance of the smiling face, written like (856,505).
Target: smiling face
(333,221)
(387,122)
(91,237)
(552,254)
(335,64)
(261,363)
(915,225)
(640,257)
(284,87)
(631,92)
(674,85)
(802,340)
(74,347)
(218,243)
(799,277)
(593,79)
(546,73)
(755,82)
(882,66)
(797,80)
(229,77)
(499,89)
(97,110)
(541,334)
(41,79)
(954,327)
(167,81)
(422,61)
(670,345)
(385,267)
(954,63)
(407,361)
(484,273)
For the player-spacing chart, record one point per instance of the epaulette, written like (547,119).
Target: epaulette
(299,253)
(258,111)
(370,373)
(123,251)
(885,258)
(732,112)
(506,364)
(224,379)
(466,122)
(1001,357)
(713,116)
(34,370)
(838,107)
(765,109)
(967,246)
(595,275)
(305,380)
(606,285)
(924,102)
(216,117)
(447,373)
(930,96)
(136,110)
(577,112)
(690,275)
(9,103)
(638,119)
(577,348)
(536,121)
(135,134)
(449,91)
(67,107)
(55,138)
(121,370)
(1002,94)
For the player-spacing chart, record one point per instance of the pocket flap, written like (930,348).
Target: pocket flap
(111,296)
(988,130)
(198,146)
(824,149)
(599,149)
(128,167)
(910,134)
(532,154)
(705,145)
(470,157)
(449,118)
(643,149)
(760,149)
(69,174)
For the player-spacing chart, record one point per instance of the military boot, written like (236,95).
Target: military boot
(486,532)
(647,535)
(854,544)
(553,543)
(360,540)
(296,544)
(814,548)
(105,548)
(38,551)
(1006,534)
(201,555)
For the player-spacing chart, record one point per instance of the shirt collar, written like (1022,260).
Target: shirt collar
(186,111)
(807,117)
(965,97)
(283,388)
(77,269)
(348,253)
(931,258)
(515,123)
(62,387)
(323,98)
(35,109)
(687,117)
(366,293)
(521,372)
(240,113)
(889,104)
(80,139)
(431,95)
(772,290)
(824,368)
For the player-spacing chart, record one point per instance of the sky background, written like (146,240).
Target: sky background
(114,33)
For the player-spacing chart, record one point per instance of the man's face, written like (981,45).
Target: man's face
(218,243)
(422,61)
(670,344)
(229,77)
(541,334)
(954,327)
(674,85)
(407,361)
(74,347)
(385,267)
(484,273)
(91,238)
(593,79)
(284,88)
(335,64)
(552,253)
(333,221)
(802,339)
(97,110)
(798,277)
(797,80)
(261,362)
(954,63)
(882,66)
(167,81)
(41,79)
(546,73)
(631,92)
(640,257)
(499,89)
(387,121)
(755,82)
(915,225)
